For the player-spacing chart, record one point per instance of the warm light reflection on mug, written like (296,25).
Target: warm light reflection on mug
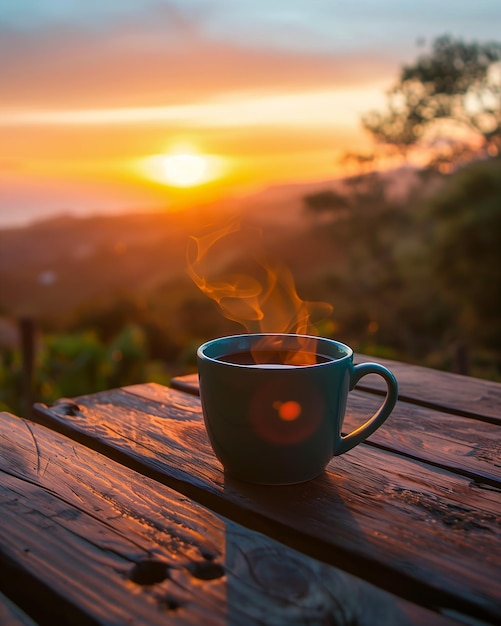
(288,411)
(284,416)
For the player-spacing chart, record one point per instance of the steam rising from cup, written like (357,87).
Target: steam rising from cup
(263,299)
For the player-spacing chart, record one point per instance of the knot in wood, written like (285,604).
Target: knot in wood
(170,603)
(286,576)
(67,406)
(206,570)
(149,572)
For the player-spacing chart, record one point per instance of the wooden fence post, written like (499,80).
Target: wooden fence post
(462,359)
(27,341)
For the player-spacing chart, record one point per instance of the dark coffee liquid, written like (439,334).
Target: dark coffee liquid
(272,358)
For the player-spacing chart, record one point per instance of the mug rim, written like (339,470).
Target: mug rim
(203,356)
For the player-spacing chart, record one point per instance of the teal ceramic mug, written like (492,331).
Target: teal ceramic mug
(276,420)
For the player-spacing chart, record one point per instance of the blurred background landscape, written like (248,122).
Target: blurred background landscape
(358,147)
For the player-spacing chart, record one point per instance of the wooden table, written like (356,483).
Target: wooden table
(114,510)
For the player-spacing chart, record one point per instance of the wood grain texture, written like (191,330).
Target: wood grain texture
(421,532)
(85,540)
(450,393)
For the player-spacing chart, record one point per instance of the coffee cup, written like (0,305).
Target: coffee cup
(274,404)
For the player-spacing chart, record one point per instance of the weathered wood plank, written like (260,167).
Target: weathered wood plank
(423,533)
(444,391)
(86,540)
(459,444)
(12,615)
(452,393)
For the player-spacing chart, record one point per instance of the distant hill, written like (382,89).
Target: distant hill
(51,267)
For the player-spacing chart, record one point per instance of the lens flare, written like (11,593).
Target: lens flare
(288,411)
(290,421)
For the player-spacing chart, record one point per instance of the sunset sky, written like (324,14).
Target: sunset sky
(95,94)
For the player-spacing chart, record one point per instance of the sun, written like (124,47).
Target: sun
(185,170)
(182,168)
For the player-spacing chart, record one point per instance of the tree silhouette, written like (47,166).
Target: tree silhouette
(326,201)
(463,252)
(447,104)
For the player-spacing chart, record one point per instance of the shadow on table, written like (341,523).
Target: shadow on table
(278,581)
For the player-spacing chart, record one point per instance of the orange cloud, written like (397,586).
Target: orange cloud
(164,59)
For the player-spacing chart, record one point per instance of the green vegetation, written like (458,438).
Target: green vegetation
(421,278)
(71,364)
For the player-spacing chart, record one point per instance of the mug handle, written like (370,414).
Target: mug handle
(362,432)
